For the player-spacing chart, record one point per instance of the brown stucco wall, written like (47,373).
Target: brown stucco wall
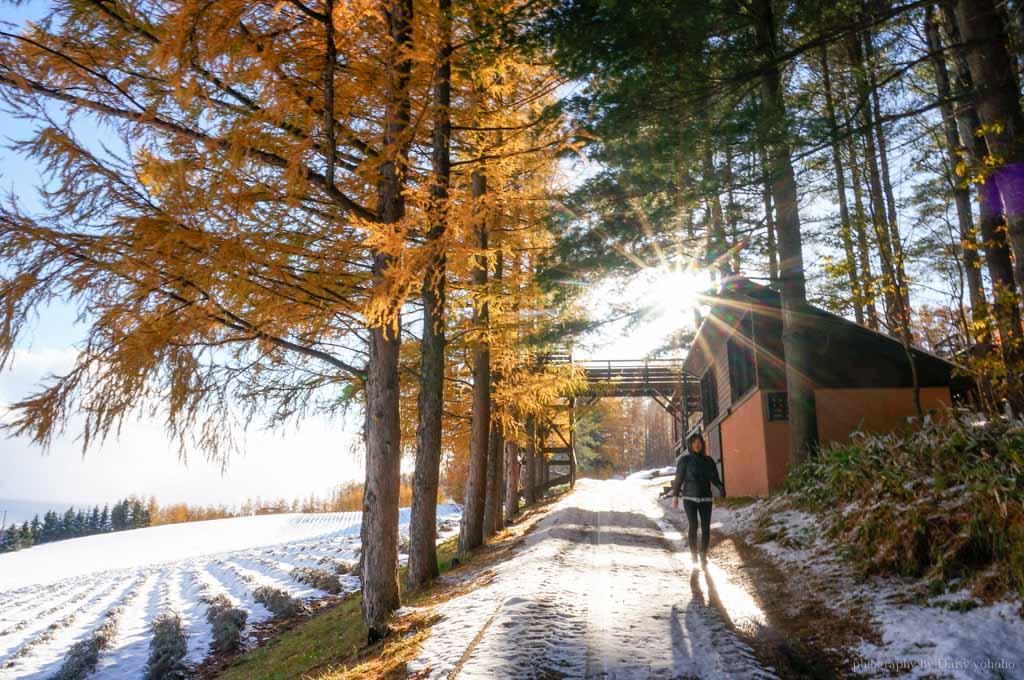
(842,411)
(744,458)
(755,452)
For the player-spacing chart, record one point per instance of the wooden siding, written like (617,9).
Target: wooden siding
(770,359)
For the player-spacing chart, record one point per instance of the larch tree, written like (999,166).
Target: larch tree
(236,242)
(423,515)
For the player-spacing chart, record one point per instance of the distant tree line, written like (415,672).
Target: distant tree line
(134,513)
(620,436)
(128,513)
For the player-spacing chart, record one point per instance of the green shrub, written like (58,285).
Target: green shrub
(943,500)
(227,622)
(279,602)
(167,648)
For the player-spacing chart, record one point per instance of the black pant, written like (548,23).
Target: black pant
(693,510)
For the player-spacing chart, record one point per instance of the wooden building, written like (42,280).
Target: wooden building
(862,378)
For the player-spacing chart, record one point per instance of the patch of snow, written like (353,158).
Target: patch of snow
(183,597)
(127,657)
(924,641)
(918,640)
(653,474)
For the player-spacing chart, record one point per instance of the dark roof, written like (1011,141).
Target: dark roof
(876,358)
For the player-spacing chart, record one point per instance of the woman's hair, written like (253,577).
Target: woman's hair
(696,437)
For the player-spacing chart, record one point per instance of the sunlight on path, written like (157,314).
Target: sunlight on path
(596,591)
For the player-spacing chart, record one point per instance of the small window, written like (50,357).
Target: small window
(742,373)
(709,396)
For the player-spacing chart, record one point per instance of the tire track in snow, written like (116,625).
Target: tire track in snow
(128,654)
(263,575)
(238,591)
(36,598)
(19,617)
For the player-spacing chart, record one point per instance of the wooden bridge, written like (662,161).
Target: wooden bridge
(660,379)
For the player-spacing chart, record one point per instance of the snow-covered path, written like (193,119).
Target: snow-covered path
(599,589)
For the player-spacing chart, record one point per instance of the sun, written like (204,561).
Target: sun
(666,296)
(670,294)
(673,291)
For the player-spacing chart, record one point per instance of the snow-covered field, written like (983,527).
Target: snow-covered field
(57,594)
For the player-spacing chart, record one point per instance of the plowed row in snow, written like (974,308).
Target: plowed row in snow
(55,595)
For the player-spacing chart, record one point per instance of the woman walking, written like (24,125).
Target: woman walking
(695,473)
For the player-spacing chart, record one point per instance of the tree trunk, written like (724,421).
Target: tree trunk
(423,516)
(529,457)
(379,537)
(901,293)
(543,469)
(512,465)
(735,263)
(890,282)
(495,482)
(892,216)
(718,250)
(684,195)
(472,534)
(496,448)
(991,223)
(998,106)
(961,196)
(766,199)
(844,211)
(802,413)
(865,275)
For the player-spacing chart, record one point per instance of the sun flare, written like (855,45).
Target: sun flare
(669,295)
(674,291)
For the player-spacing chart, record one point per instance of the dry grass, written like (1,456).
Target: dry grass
(944,501)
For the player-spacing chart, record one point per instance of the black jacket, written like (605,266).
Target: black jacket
(695,473)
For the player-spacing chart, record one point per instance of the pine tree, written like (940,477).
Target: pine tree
(67,525)
(119,516)
(25,535)
(11,539)
(51,527)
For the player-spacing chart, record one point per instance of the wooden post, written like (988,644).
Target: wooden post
(530,460)
(572,442)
